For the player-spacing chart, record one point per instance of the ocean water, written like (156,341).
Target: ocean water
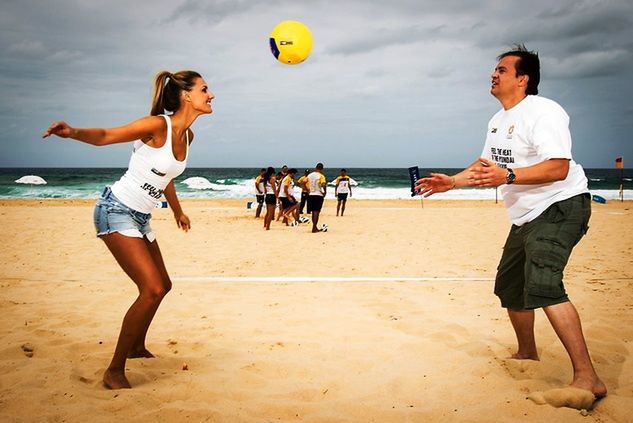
(373,183)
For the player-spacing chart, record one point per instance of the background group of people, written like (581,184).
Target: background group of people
(275,189)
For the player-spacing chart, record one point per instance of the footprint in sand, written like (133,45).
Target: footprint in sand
(571,397)
(519,369)
(28,349)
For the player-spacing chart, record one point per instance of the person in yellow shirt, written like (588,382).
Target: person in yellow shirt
(305,190)
(289,205)
(342,188)
(259,189)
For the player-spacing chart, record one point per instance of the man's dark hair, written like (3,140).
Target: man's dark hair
(528,64)
(319,166)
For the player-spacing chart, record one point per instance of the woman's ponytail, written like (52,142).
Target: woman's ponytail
(167,88)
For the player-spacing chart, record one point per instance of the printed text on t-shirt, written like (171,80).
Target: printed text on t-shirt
(501,156)
(152,190)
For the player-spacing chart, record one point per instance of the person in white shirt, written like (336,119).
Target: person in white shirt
(318,188)
(289,205)
(271,190)
(259,191)
(342,188)
(122,214)
(527,155)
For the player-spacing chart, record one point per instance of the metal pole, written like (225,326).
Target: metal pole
(622,184)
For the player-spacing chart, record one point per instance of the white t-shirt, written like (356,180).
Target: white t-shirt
(316,182)
(342,184)
(535,130)
(259,181)
(287,182)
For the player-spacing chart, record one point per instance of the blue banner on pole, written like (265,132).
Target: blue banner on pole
(414,175)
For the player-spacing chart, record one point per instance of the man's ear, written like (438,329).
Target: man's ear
(523,80)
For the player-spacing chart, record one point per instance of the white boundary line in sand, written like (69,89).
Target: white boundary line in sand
(320,279)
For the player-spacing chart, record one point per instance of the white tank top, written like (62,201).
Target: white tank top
(149,172)
(269,188)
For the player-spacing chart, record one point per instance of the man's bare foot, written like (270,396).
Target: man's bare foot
(525,356)
(115,380)
(140,353)
(593,385)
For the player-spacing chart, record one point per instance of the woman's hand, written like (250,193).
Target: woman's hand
(59,128)
(183,222)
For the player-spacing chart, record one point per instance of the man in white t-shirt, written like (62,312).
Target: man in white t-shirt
(318,189)
(528,156)
(342,188)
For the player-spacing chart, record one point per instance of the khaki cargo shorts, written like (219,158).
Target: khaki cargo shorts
(530,273)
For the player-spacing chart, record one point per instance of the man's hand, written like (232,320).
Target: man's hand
(437,182)
(487,174)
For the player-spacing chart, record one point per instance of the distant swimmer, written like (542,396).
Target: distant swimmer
(122,214)
(342,188)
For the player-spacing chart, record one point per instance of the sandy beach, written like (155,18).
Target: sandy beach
(387,317)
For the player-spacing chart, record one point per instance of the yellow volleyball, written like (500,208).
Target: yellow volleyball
(291,42)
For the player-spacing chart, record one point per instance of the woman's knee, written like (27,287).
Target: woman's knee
(156,291)
(167,285)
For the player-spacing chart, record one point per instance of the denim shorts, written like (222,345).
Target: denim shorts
(111,215)
(530,273)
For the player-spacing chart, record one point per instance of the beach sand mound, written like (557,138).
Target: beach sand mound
(571,397)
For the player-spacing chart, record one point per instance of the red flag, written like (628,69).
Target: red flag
(619,163)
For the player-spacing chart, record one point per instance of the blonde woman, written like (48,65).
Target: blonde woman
(122,214)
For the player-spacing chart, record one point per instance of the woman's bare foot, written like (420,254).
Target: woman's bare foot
(140,353)
(115,380)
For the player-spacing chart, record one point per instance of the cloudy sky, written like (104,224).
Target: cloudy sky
(388,84)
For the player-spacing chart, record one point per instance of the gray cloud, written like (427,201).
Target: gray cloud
(208,12)
(382,38)
(385,82)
